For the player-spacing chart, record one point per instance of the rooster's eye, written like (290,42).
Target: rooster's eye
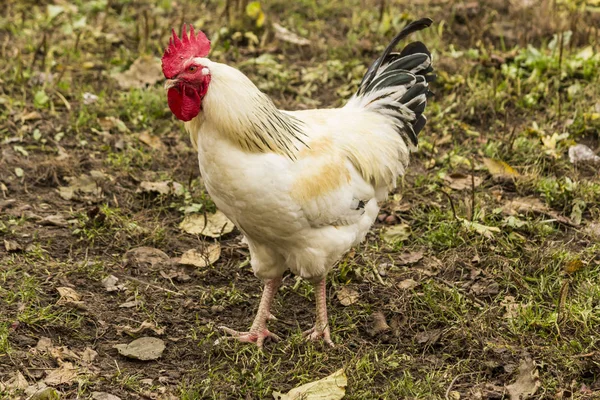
(193,68)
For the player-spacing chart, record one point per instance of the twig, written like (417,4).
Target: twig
(447,396)
(472,190)
(451,204)
(154,286)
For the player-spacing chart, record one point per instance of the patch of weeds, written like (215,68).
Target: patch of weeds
(4,334)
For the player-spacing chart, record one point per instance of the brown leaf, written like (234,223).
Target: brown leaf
(145,256)
(410,258)
(12,246)
(88,355)
(214,225)
(110,284)
(201,258)
(145,348)
(378,324)
(574,266)
(68,295)
(44,344)
(458,181)
(332,387)
(145,71)
(347,296)
(162,187)
(144,325)
(408,284)
(65,374)
(527,383)
(429,337)
(152,141)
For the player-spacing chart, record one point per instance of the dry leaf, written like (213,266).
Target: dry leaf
(347,296)
(410,258)
(332,387)
(55,220)
(88,355)
(574,266)
(110,284)
(16,382)
(286,35)
(145,256)
(109,123)
(533,204)
(44,344)
(378,324)
(430,337)
(104,396)
(145,71)
(68,295)
(201,258)
(499,169)
(527,383)
(66,374)
(396,233)
(408,284)
(458,181)
(12,245)
(152,141)
(211,225)
(162,187)
(145,348)
(144,325)
(82,188)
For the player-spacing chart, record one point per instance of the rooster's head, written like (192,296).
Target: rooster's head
(187,79)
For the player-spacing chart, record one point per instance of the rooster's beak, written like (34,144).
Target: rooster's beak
(170,83)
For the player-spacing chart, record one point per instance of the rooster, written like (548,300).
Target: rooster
(302,186)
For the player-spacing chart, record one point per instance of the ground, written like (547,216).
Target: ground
(479,280)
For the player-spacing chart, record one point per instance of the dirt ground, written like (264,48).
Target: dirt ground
(480,280)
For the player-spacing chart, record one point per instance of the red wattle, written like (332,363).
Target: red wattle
(184,102)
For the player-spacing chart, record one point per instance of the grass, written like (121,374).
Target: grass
(493,288)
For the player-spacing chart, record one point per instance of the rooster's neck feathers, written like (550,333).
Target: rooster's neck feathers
(237,109)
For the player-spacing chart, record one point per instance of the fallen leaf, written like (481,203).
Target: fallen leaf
(535,205)
(88,355)
(12,246)
(162,187)
(396,233)
(499,169)
(332,387)
(109,123)
(104,396)
(211,225)
(55,220)
(65,374)
(458,181)
(16,382)
(44,344)
(129,304)
(68,295)
(378,324)
(286,35)
(201,258)
(527,382)
(408,284)
(347,295)
(143,326)
(412,257)
(89,98)
(484,230)
(82,188)
(152,141)
(145,71)
(145,349)
(581,153)
(593,230)
(43,393)
(430,337)
(145,256)
(573,266)
(110,284)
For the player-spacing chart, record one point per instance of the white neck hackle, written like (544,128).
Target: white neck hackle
(244,115)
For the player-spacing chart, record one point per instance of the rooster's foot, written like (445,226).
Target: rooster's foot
(257,337)
(314,334)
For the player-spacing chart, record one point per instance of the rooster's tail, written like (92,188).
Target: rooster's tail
(397,84)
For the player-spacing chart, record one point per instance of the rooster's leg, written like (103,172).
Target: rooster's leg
(321,328)
(258,331)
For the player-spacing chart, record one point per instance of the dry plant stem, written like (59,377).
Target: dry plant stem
(258,332)
(321,328)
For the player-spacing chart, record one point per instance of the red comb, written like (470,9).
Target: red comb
(181,50)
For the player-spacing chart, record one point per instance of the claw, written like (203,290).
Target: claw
(258,337)
(314,335)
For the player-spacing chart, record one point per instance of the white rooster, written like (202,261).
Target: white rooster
(302,186)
